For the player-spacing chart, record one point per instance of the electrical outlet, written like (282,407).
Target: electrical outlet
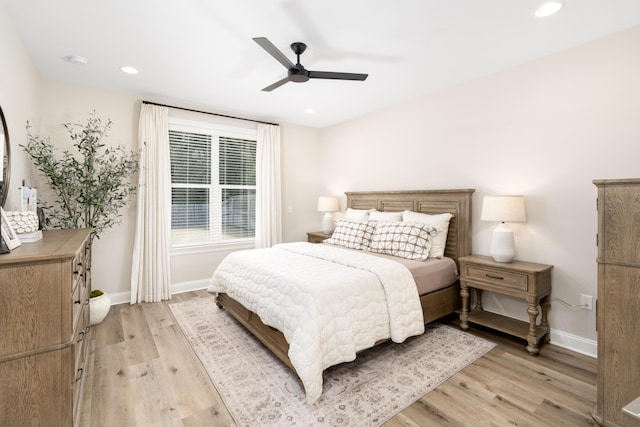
(586,301)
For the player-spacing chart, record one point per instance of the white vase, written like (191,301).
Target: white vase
(98,308)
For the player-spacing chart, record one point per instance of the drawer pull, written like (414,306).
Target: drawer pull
(79,376)
(491,276)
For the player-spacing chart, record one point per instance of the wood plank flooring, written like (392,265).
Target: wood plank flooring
(143,372)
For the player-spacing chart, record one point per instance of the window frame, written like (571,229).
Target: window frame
(215,130)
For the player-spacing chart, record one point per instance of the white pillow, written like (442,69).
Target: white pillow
(357,214)
(351,233)
(385,216)
(402,239)
(440,222)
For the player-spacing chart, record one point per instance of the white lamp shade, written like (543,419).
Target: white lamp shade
(503,209)
(328,204)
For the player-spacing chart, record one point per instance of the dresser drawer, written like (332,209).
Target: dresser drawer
(504,279)
(80,347)
(79,299)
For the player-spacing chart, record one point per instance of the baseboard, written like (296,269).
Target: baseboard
(574,343)
(178,288)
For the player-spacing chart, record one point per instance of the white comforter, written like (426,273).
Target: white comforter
(328,302)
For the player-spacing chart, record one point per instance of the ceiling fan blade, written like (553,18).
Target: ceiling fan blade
(336,76)
(275,85)
(273,51)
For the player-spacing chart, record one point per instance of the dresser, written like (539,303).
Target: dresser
(618,304)
(44,329)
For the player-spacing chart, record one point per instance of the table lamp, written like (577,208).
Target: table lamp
(328,205)
(503,209)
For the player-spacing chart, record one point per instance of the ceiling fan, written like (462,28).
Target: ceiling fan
(297,73)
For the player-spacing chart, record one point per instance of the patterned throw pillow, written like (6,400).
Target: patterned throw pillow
(402,239)
(351,233)
(440,222)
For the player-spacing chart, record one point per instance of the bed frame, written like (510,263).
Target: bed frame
(435,304)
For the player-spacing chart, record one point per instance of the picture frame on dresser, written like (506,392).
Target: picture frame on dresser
(8,234)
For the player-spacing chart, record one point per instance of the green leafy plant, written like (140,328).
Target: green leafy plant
(95,293)
(92,185)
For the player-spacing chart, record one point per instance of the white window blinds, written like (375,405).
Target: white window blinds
(213,180)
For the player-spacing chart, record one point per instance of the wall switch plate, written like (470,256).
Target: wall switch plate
(586,302)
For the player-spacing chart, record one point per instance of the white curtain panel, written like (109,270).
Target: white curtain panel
(150,273)
(268,189)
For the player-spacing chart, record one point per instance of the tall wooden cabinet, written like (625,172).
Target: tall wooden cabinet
(44,328)
(618,305)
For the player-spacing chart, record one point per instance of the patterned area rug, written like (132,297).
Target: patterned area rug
(259,390)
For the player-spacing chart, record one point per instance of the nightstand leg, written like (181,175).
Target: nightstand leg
(532,337)
(464,312)
(545,303)
(478,299)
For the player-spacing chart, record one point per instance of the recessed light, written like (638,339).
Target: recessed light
(129,70)
(548,9)
(310,111)
(75,59)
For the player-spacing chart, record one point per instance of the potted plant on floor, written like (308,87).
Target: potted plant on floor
(91,186)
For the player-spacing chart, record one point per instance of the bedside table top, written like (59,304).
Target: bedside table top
(524,266)
(319,234)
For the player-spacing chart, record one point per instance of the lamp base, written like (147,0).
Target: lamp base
(327,223)
(503,248)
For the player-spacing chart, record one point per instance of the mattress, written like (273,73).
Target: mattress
(430,275)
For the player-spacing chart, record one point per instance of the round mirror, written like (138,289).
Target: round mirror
(5,159)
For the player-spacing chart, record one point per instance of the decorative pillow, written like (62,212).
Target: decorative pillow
(357,214)
(440,222)
(402,239)
(385,216)
(351,233)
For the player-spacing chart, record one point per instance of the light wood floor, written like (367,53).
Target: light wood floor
(143,372)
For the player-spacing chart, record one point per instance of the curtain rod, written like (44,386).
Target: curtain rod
(207,112)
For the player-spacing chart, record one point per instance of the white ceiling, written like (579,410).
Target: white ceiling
(200,53)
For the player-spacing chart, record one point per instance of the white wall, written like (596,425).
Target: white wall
(19,88)
(63,102)
(544,129)
(68,103)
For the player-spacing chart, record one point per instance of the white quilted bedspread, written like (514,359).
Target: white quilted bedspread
(328,302)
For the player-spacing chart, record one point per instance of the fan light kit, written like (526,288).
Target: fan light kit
(297,73)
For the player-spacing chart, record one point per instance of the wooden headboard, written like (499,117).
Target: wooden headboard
(456,202)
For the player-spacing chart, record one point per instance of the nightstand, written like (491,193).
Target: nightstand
(317,237)
(519,279)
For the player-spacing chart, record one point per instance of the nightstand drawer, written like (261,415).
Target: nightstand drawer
(501,278)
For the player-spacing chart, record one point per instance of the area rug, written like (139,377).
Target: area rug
(259,390)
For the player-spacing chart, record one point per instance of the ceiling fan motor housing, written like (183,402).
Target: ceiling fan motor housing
(298,74)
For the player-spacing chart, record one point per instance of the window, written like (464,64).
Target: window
(213,184)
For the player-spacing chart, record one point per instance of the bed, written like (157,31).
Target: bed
(431,305)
